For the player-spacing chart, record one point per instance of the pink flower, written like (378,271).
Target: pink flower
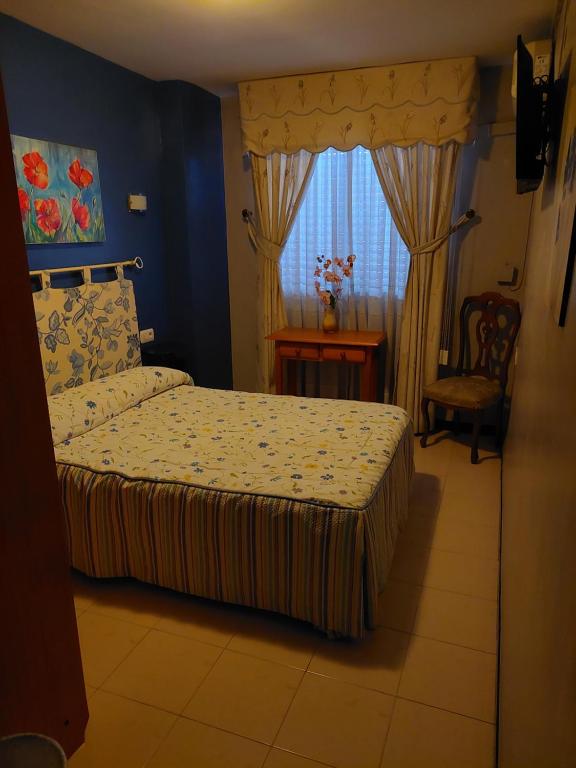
(333,278)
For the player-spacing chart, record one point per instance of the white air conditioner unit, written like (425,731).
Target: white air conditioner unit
(541,52)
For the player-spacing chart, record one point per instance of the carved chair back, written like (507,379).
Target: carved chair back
(489,325)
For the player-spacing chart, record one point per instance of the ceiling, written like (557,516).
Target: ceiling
(216,43)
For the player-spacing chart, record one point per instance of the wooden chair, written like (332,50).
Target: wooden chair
(476,388)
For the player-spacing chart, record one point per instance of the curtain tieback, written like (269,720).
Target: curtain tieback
(268,248)
(433,245)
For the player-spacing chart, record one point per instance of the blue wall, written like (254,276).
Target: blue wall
(196,228)
(59,92)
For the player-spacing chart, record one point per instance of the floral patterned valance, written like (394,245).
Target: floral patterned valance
(432,102)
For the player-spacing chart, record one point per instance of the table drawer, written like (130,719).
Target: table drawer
(301,353)
(348,355)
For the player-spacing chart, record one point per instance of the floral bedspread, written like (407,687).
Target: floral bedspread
(151,423)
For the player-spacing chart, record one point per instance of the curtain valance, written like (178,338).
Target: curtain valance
(431,102)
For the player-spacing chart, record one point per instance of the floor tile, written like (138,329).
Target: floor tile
(452,571)
(436,457)
(397,605)
(458,619)
(424,737)
(275,638)
(121,733)
(336,723)
(450,677)
(279,758)
(83,596)
(194,745)
(375,662)
(452,535)
(245,695)
(163,671)
(199,619)
(461,446)
(471,500)
(130,601)
(105,643)
(425,494)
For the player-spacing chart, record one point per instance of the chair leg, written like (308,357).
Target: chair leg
(426,415)
(456,422)
(476,436)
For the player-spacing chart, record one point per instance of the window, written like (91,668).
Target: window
(343,212)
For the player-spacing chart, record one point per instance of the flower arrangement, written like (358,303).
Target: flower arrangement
(333,271)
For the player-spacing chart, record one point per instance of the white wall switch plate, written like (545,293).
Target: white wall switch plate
(137,203)
(147,335)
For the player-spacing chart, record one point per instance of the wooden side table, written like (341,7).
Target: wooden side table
(311,344)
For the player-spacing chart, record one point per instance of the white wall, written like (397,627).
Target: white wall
(488,251)
(242,266)
(538,644)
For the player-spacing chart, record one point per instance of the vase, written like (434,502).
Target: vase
(330,320)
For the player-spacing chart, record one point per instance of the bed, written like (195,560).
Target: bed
(281,503)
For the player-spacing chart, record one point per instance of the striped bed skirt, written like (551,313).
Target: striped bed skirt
(325,565)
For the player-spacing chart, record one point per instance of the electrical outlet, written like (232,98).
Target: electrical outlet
(443,357)
(147,335)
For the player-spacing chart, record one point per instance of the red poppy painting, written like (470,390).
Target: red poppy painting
(81,214)
(80,176)
(58,192)
(35,169)
(24,201)
(48,215)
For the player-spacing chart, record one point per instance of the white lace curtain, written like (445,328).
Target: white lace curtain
(279,183)
(343,211)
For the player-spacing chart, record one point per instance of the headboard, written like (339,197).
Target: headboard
(86,332)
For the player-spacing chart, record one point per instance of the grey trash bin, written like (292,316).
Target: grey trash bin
(30,750)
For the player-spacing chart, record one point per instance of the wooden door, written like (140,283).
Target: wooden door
(41,681)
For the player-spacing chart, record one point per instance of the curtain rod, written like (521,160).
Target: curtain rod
(137,262)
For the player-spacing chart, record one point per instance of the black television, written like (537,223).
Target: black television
(532,121)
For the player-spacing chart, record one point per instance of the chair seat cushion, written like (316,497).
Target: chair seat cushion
(473,392)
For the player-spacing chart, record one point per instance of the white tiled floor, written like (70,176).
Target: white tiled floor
(175,681)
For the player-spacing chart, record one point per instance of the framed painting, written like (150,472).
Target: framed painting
(58,191)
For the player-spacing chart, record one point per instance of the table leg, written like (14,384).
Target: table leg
(367,378)
(278,379)
(291,374)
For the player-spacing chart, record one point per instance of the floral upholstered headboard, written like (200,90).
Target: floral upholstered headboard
(86,332)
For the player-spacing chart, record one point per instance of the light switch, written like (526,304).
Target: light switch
(137,203)
(147,335)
